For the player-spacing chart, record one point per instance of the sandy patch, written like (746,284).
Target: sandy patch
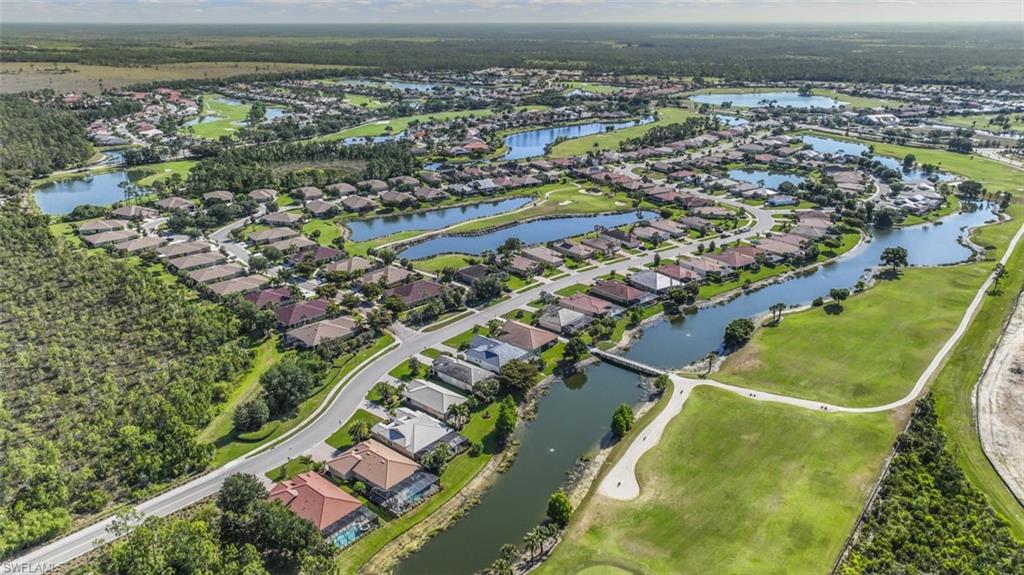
(565,202)
(618,203)
(1001,404)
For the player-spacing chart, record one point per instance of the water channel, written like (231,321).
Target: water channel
(535,232)
(534,142)
(573,419)
(780,99)
(368,229)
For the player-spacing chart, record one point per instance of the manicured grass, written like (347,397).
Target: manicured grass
(735,486)
(341,439)
(591,87)
(290,469)
(520,315)
(229,116)
(446,319)
(229,448)
(431,353)
(465,337)
(572,290)
(562,200)
(458,473)
(516,283)
(267,354)
(983,122)
(951,205)
(329,230)
(872,352)
(404,370)
(397,125)
(283,200)
(860,101)
(437,263)
(363,101)
(165,170)
(361,248)
(611,140)
(710,290)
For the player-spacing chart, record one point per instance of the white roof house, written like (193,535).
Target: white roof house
(432,398)
(458,373)
(491,354)
(412,432)
(653,281)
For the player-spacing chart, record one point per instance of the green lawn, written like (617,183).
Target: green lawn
(229,448)
(458,473)
(735,487)
(404,370)
(984,122)
(860,101)
(165,170)
(710,290)
(361,248)
(228,117)
(439,262)
(562,200)
(290,469)
(591,87)
(572,290)
(341,440)
(362,101)
(872,352)
(611,140)
(465,337)
(267,354)
(431,353)
(396,125)
(329,230)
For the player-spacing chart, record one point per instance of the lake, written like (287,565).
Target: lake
(755,99)
(574,417)
(535,232)
(59,198)
(534,142)
(368,229)
(731,120)
(839,147)
(770,180)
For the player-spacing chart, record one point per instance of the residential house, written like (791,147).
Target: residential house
(563,320)
(301,313)
(272,235)
(431,398)
(239,285)
(414,433)
(458,373)
(352,265)
(315,499)
(270,298)
(572,250)
(196,261)
(263,195)
(673,229)
(100,226)
(307,193)
(492,354)
(319,255)
(622,237)
(621,293)
(372,186)
(473,273)
(600,245)
(358,204)
(134,212)
(590,306)
(140,244)
(653,281)
(340,189)
(312,335)
(523,266)
(416,293)
(388,276)
(321,208)
(180,249)
(542,255)
(175,203)
(394,198)
(212,274)
(678,273)
(291,218)
(393,481)
(734,259)
(526,337)
(222,196)
(289,245)
(704,266)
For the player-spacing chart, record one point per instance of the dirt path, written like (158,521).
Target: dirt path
(1000,404)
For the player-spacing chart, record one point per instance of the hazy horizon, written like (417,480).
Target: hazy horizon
(509,11)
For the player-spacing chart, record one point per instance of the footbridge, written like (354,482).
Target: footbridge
(630,364)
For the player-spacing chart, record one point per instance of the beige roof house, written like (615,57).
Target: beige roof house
(314,334)
(373,463)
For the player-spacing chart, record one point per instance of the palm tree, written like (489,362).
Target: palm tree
(777,310)
(532,541)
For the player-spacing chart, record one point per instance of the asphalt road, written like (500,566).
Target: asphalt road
(340,408)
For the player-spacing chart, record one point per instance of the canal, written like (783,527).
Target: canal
(574,418)
(370,228)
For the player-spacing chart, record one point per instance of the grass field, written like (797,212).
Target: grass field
(64,77)
(341,439)
(165,170)
(611,140)
(872,352)
(591,87)
(329,230)
(984,122)
(363,101)
(735,487)
(441,261)
(229,117)
(562,200)
(860,102)
(397,125)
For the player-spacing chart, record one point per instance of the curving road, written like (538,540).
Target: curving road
(621,482)
(339,407)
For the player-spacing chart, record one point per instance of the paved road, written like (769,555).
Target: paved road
(340,408)
(222,236)
(621,482)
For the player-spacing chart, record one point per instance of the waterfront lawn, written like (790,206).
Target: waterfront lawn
(735,486)
(459,472)
(164,170)
(872,352)
(341,440)
(611,140)
(329,230)
(229,115)
(437,263)
(710,290)
(231,447)
(983,122)
(399,124)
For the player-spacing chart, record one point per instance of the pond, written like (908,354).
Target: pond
(60,197)
(535,232)
(574,418)
(534,142)
(395,84)
(368,229)
(833,146)
(732,120)
(758,99)
(766,178)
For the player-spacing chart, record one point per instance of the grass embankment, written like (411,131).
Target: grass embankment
(396,125)
(728,490)
(342,439)
(872,352)
(459,472)
(611,140)
(266,355)
(231,447)
(560,200)
(165,170)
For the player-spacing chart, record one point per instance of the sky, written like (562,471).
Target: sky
(507,11)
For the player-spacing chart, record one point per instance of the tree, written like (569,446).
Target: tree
(436,459)
(895,257)
(622,421)
(518,375)
(559,509)
(386,255)
(661,383)
(575,350)
(777,310)
(908,161)
(532,541)
(738,332)
(711,358)
(838,296)
(240,492)
(998,273)
(508,419)
(971,189)
(257,112)
(285,385)
(360,431)
(250,416)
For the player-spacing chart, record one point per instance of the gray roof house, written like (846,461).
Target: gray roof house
(431,398)
(491,354)
(652,281)
(458,373)
(563,320)
(414,433)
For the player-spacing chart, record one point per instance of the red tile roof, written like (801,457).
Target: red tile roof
(299,312)
(312,497)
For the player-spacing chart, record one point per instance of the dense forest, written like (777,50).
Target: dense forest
(976,54)
(108,373)
(314,163)
(928,518)
(38,139)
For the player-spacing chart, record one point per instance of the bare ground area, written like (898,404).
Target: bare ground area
(1000,404)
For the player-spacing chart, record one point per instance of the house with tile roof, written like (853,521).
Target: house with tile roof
(315,499)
